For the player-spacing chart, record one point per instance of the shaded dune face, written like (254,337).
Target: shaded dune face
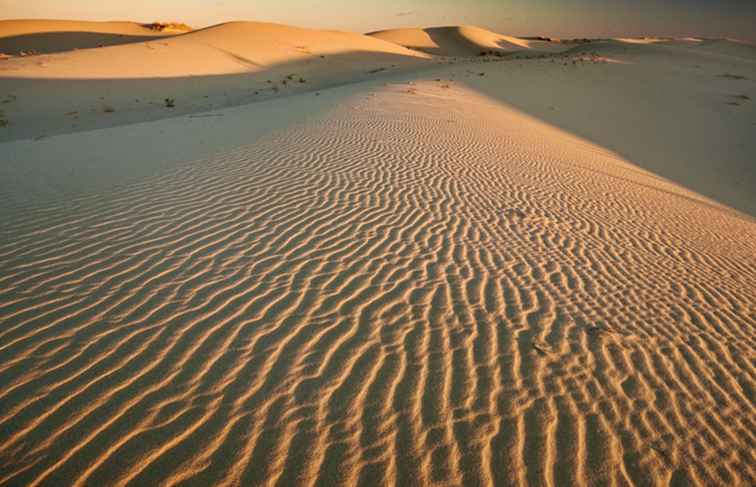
(53,36)
(460,41)
(52,42)
(229,64)
(406,292)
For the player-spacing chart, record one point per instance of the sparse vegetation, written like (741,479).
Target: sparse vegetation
(168,26)
(170,102)
(3,121)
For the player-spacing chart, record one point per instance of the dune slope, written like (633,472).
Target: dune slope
(51,36)
(234,47)
(462,40)
(418,286)
(228,64)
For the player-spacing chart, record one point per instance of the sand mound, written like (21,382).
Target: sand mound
(51,36)
(460,41)
(235,47)
(228,64)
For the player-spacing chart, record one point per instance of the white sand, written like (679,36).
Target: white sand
(530,277)
(51,36)
(463,40)
(225,65)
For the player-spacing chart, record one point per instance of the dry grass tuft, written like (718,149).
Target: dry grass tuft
(168,27)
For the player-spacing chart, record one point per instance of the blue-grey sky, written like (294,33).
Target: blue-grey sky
(566,18)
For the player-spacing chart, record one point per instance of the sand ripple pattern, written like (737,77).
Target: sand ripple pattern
(407,293)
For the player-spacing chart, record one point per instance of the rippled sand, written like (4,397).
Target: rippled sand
(418,285)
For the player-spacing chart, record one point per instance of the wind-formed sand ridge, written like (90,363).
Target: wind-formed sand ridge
(410,296)
(488,270)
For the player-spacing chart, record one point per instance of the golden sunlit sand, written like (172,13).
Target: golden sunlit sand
(255,254)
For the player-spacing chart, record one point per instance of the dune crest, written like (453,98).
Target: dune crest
(51,36)
(233,47)
(464,40)
(227,64)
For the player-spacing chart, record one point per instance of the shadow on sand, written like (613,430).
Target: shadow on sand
(55,42)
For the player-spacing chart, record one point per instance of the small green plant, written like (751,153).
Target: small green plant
(302,80)
(170,102)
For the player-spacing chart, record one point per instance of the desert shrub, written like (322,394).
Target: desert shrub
(171,26)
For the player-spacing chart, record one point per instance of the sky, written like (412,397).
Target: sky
(557,18)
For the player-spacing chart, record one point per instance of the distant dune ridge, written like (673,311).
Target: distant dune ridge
(463,40)
(51,36)
(261,255)
(233,47)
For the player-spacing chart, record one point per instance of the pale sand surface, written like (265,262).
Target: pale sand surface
(463,40)
(221,66)
(51,36)
(427,278)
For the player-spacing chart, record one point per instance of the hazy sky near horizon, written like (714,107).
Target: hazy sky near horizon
(566,18)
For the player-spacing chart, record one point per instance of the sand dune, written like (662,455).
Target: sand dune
(224,65)
(51,36)
(484,273)
(722,47)
(421,287)
(462,40)
(234,47)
